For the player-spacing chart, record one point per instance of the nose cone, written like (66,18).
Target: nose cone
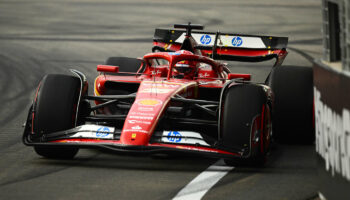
(151,100)
(137,138)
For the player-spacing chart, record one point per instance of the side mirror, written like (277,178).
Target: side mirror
(245,77)
(107,68)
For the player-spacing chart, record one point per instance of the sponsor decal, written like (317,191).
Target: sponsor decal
(205,39)
(205,67)
(201,75)
(93,131)
(149,102)
(226,40)
(156,90)
(161,85)
(133,121)
(237,41)
(145,108)
(174,136)
(136,127)
(156,72)
(183,137)
(142,113)
(333,137)
(102,132)
(131,130)
(141,117)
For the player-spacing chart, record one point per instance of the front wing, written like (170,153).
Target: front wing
(104,137)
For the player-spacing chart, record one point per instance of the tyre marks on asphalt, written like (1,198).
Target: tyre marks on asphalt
(201,184)
(36,167)
(14,87)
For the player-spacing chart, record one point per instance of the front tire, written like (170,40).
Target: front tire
(55,110)
(244,108)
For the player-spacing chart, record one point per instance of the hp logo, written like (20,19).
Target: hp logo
(174,136)
(237,41)
(102,132)
(205,39)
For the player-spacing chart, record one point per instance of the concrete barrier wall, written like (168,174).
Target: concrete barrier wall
(332,121)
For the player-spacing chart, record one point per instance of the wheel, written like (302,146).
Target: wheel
(55,110)
(293,108)
(245,111)
(125,64)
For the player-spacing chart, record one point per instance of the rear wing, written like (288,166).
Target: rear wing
(224,46)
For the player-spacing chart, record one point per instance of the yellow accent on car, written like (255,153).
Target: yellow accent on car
(95,89)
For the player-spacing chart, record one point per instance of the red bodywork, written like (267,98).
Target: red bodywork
(154,94)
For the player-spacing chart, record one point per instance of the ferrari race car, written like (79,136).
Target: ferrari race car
(179,98)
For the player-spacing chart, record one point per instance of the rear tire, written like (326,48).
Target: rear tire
(242,104)
(55,110)
(293,108)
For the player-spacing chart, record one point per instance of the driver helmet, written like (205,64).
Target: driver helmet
(185,67)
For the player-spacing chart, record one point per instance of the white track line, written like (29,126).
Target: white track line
(200,185)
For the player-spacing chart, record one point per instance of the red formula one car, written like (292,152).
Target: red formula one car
(177,99)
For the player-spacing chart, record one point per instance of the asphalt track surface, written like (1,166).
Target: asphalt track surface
(39,37)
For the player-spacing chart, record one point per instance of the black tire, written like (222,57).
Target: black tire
(55,109)
(125,64)
(293,107)
(241,105)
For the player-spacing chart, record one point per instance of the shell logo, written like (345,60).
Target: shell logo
(149,102)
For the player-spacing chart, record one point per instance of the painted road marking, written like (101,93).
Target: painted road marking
(200,185)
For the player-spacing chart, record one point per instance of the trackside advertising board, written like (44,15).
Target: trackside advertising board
(332,117)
